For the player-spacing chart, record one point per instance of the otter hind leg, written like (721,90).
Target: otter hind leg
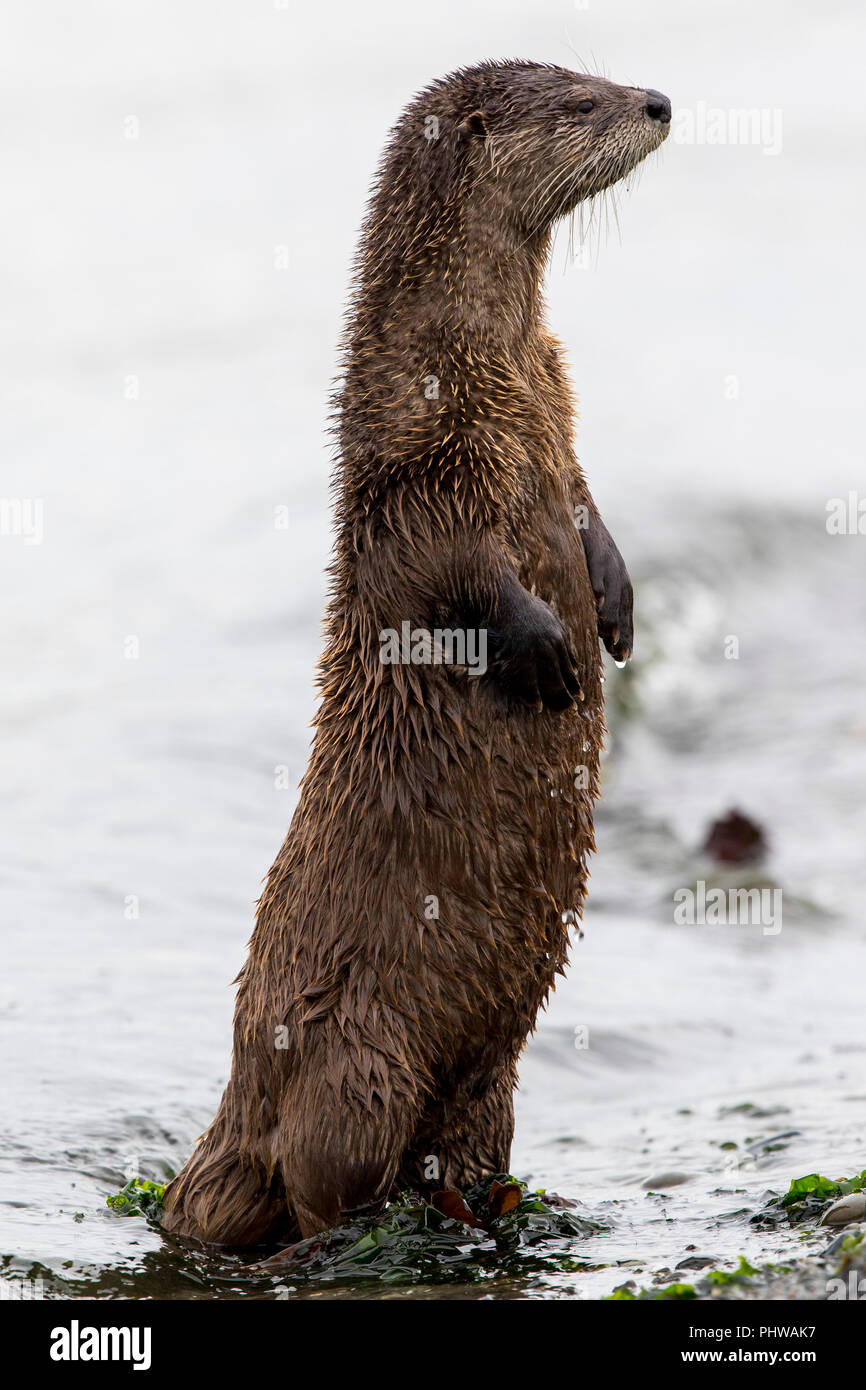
(222,1197)
(343,1174)
(341,1141)
(460,1140)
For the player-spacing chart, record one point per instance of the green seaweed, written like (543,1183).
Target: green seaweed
(824,1187)
(139,1197)
(411,1241)
(753,1111)
(725,1276)
(716,1278)
(807,1199)
(668,1292)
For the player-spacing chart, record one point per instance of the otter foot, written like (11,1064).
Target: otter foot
(532,658)
(612,588)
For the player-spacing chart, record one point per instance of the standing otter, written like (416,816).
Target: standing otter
(417,914)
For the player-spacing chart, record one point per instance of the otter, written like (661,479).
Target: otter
(417,914)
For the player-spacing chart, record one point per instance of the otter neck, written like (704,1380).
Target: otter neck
(495,285)
(477,278)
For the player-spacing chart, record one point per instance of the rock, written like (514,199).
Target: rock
(665,1180)
(850,1208)
(836,1245)
(734,839)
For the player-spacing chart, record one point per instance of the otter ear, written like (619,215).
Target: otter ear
(473,126)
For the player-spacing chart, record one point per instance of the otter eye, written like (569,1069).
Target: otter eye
(585,107)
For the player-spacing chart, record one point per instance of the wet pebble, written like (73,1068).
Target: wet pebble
(663,1181)
(850,1208)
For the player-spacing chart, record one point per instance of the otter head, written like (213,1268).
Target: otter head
(528,142)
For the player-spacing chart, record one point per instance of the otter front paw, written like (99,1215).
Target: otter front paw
(612,588)
(531,658)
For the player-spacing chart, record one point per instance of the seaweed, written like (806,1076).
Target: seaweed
(497,1227)
(807,1199)
(668,1292)
(743,1271)
(139,1197)
(716,1278)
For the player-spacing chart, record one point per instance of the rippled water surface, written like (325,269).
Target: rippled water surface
(167,390)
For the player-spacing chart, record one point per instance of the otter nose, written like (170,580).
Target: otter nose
(658,106)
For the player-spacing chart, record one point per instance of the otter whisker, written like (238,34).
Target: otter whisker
(568,182)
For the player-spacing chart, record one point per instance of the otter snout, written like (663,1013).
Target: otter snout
(658,106)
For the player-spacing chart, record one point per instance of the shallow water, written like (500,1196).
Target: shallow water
(144,783)
(116,1032)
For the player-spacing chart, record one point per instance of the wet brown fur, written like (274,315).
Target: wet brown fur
(401,1031)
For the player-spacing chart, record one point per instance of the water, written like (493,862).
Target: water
(165,398)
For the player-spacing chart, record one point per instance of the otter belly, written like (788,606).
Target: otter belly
(435,861)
